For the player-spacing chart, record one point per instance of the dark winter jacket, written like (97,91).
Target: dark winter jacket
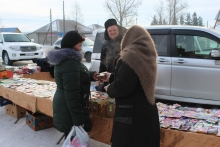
(110,50)
(71,99)
(136,121)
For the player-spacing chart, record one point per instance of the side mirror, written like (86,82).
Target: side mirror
(215,54)
(32,40)
(57,47)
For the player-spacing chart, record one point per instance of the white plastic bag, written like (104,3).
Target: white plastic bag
(77,137)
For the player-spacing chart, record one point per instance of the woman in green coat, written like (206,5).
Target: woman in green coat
(71,99)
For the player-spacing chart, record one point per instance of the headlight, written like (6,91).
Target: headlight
(39,47)
(15,48)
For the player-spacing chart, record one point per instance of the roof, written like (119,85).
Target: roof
(57,26)
(96,27)
(10,30)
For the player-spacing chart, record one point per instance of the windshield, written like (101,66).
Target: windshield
(15,38)
(88,42)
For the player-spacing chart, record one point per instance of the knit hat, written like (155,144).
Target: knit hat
(110,22)
(71,39)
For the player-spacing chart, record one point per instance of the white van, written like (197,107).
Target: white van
(17,46)
(188,63)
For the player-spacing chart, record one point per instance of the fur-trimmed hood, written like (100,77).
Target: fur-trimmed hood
(54,57)
(139,52)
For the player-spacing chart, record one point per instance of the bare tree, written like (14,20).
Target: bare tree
(175,7)
(160,12)
(124,11)
(77,15)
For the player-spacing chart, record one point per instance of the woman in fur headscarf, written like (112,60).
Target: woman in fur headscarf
(71,100)
(136,121)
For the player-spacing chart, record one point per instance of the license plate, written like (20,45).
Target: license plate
(29,54)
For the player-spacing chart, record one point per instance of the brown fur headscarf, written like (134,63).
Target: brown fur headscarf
(139,52)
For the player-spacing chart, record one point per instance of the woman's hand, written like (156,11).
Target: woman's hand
(95,76)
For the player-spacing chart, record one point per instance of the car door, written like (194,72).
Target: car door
(162,41)
(194,74)
(95,62)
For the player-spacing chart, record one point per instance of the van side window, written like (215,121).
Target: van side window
(189,46)
(161,44)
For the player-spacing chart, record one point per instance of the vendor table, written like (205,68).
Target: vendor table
(102,126)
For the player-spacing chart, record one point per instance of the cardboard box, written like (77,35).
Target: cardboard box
(15,110)
(38,121)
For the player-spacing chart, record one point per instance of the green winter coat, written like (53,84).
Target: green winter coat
(71,99)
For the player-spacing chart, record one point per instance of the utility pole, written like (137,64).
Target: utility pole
(63,20)
(51,27)
(217,18)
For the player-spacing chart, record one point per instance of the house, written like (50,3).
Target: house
(14,30)
(46,35)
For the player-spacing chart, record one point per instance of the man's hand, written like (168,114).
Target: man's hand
(106,76)
(106,87)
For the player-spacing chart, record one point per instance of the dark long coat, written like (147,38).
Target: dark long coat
(136,121)
(71,99)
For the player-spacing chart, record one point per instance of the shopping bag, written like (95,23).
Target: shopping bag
(77,137)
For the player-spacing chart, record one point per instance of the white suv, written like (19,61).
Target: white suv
(188,63)
(17,46)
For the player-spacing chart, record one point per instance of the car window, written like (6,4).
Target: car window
(1,38)
(58,42)
(195,46)
(16,38)
(88,42)
(161,44)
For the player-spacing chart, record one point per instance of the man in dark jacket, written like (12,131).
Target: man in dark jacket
(111,47)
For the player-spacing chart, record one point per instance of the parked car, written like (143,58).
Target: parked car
(188,63)
(87,47)
(17,46)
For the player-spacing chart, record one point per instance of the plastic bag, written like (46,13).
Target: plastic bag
(77,137)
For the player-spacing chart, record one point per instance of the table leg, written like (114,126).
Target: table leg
(20,117)
(61,138)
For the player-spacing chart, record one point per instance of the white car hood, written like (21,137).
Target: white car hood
(21,44)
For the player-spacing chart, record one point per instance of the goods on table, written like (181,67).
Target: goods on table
(191,119)
(101,104)
(38,88)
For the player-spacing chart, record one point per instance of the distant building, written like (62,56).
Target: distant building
(14,30)
(96,27)
(46,35)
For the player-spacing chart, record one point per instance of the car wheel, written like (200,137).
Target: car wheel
(6,59)
(88,56)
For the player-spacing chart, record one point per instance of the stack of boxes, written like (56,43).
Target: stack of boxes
(102,105)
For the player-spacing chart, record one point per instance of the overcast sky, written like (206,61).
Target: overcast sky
(30,15)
